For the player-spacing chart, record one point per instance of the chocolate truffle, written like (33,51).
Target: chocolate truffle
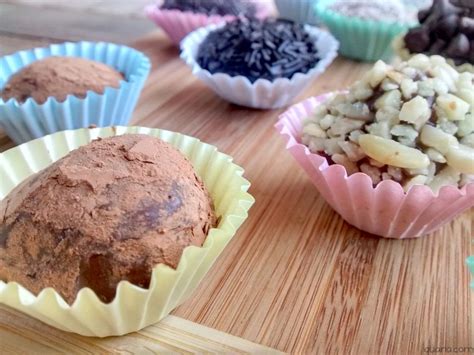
(107,212)
(59,77)
(212,7)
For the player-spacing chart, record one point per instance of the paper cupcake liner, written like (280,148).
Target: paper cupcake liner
(360,39)
(401,51)
(470,264)
(30,120)
(133,307)
(301,11)
(262,94)
(177,24)
(385,210)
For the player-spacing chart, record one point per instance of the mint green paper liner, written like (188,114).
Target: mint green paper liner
(133,307)
(470,264)
(360,39)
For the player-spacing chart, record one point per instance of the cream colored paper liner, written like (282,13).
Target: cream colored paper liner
(133,308)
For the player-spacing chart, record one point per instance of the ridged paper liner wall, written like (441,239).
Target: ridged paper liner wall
(30,120)
(134,307)
(385,210)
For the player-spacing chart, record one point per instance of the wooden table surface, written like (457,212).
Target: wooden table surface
(296,277)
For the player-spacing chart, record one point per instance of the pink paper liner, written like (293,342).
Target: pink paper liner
(177,24)
(385,210)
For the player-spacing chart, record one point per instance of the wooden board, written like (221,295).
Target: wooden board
(296,277)
(22,335)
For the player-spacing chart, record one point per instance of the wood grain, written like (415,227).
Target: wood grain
(20,334)
(296,277)
(62,22)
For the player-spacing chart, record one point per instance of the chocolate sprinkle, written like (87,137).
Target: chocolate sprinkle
(258,49)
(212,7)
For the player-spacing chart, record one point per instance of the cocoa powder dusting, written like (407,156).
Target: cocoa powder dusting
(59,77)
(108,211)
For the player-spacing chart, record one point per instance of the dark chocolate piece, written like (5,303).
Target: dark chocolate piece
(446,28)
(417,40)
(459,47)
(466,26)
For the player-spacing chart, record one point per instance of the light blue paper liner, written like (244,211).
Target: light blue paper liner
(300,11)
(29,120)
(470,264)
(360,39)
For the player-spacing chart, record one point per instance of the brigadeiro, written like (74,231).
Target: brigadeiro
(447,29)
(259,50)
(259,63)
(394,154)
(68,86)
(180,17)
(109,211)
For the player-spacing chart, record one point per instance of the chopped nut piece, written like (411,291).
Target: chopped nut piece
(461,158)
(447,176)
(435,156)
(436,138)
(401,123)
(392,153)
(378,73)
(416,111)
(350,166)
(454,107)
(372,171)
(408,87)
(415,180)
(389,99)
(327,121)
(419,61)
(315,130)
(356,111)
(468,140)
(353,151)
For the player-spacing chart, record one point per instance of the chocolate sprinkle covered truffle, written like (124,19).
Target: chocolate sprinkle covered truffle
(107,212)
(447,29)
(212,7)
(257,49)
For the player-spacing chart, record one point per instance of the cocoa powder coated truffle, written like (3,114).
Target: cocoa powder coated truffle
(59,77)
(109,211)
